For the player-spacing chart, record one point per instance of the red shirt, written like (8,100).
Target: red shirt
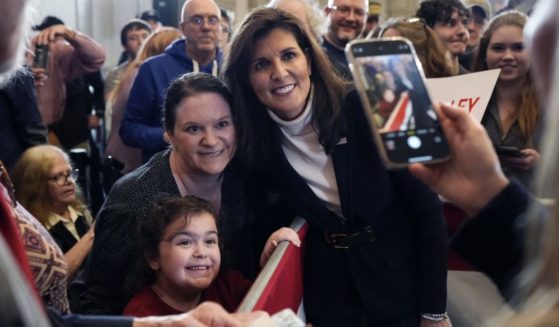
(228,289)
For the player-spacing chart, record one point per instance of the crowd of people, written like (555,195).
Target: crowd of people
(221,136)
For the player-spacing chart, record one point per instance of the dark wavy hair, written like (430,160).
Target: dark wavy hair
(165,211)
(328,88)
(188,85)
(433,11)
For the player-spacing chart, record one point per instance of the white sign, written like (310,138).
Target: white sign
(470,91)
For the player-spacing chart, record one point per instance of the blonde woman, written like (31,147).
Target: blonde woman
(45,185)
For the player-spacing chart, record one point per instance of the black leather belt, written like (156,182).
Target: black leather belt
(344,240)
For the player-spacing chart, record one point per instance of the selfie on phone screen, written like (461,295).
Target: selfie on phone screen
(397,102)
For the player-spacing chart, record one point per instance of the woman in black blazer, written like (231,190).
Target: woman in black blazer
(376,249)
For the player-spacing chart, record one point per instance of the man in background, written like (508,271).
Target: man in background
(152,18)
(199,52)
(132,35)
(480,14)
(346,22)
(373,18)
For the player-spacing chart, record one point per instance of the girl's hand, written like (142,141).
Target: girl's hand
(527,161)
(282,234)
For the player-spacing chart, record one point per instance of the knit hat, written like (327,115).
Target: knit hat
(482,5)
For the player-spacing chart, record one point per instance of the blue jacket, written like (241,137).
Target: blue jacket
(21,125)
(142,126)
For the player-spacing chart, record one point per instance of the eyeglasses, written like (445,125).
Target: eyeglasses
(62,178)
(346,11)
(199,20)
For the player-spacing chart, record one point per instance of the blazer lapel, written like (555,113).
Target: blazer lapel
(62,236)
(341,159)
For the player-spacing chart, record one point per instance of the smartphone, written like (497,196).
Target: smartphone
(508,151)
(390,82)
(41,56)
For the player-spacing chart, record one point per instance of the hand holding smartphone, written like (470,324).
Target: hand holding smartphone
(509,151)
(401,114)
(41,56)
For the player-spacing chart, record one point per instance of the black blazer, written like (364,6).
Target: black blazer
(494,240)
(403,271)
(64,238)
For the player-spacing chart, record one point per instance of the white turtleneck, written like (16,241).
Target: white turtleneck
(307,157)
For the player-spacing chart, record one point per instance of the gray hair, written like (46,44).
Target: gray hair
(13,66)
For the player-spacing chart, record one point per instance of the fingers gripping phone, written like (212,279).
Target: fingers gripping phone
(41,56)
(401,114)
(509,151)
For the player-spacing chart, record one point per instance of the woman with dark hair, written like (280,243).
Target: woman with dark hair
(178,266)
(376,247)
(448,20)
(512,116)
(199,125)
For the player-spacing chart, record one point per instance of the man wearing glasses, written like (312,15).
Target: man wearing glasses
(346,22)
(198,52)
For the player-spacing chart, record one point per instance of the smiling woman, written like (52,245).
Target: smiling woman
(512,118)
(198,123)
(375,249)
(279,74)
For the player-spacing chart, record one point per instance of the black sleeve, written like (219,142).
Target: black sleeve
(73,320)
(493,241)
(30,127)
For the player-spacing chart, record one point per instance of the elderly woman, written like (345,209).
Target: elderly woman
(46,186)
(375,251)
(199,126)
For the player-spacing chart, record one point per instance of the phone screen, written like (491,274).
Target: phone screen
(398,102)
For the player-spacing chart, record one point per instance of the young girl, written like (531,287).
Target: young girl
(181,263)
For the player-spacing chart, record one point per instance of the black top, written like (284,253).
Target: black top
(402,272)
(114,252)
(21,125)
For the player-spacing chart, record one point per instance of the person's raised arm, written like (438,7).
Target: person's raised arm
(282,234)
